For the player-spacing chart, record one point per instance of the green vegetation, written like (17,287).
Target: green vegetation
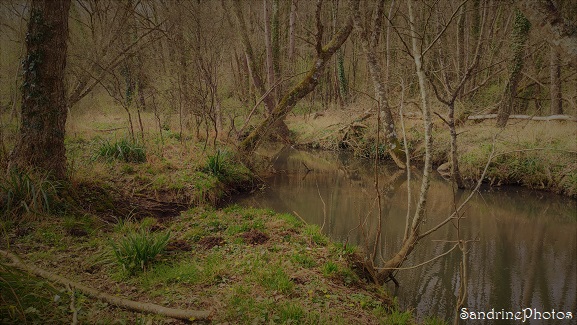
(26,192)
(237,261)
(136,250)
(123,150)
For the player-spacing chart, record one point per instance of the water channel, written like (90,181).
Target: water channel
(525,256)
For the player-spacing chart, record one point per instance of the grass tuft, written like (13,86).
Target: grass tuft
(136,250)
(123,149)
(26,192)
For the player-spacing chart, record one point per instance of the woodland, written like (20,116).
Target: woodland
(127,125)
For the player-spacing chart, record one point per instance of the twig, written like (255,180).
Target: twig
(324,207)
(113,300)
(421,264)
(73,305)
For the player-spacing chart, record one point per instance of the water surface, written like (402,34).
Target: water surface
(525,256)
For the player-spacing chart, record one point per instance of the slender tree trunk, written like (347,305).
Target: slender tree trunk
(375,71)
(455,172)
(556,93)
(268,47)
(292,24)
(44,111)
(412,236)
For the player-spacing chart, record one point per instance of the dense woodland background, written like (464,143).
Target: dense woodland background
(185,61)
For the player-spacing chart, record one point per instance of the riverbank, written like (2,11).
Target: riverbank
(124,226)
(241,265)
(536,154)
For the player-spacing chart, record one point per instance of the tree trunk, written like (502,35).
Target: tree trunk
(308,84)
(412,235)
(43,119)
(455,172)
(519,37)
(281,129)
(392,141)
(292,23)
(268,46)
(556,94)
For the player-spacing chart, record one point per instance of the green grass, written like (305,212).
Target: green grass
(24,300)
(329,268)
(27,192)
(123,149)
(136,250)
(314,232)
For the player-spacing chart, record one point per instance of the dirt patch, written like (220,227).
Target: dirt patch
(255,237)
(178,245)
(77,232)
(210,242)
(112,204)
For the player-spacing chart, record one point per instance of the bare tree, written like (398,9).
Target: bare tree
(556,93)
(42,127)
(308,84)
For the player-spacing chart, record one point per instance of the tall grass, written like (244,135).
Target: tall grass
(123,149)
(26,192)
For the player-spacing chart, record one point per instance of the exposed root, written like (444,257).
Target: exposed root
(113,300)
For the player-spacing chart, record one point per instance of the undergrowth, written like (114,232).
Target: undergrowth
(24,191)
(123,149)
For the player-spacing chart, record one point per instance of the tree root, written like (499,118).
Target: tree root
(117,301)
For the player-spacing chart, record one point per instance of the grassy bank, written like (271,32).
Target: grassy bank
(244,265)
(536,154)
(124,225)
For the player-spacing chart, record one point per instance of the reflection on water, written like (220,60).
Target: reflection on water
(525,257)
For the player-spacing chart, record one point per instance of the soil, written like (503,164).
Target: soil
(211,241)
(255,237)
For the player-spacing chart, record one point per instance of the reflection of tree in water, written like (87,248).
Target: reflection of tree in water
(527,247)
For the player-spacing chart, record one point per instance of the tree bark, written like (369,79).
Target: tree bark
(292,23)
(519,37)
(44,110)
(556,93)
(376,73)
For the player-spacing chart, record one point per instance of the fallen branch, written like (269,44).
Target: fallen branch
(526,117)
(117,301)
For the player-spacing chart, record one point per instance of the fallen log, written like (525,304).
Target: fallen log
(526,117)
(113,300)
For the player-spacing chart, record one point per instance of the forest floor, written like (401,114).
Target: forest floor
(242,265)
(536,154)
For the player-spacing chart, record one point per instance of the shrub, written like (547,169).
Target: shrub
(136,250)
(25,191)
(123,149)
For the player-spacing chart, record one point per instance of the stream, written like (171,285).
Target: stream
(525,255)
